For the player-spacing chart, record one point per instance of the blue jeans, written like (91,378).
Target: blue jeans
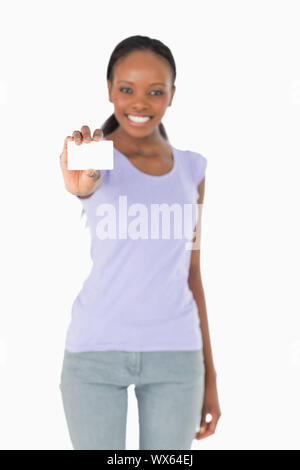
(169,387)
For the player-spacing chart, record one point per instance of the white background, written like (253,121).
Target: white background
(238,103)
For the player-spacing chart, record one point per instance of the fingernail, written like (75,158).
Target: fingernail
(202,429)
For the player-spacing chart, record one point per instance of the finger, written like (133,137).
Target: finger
(203,423)
(211,426)
(203,436)
(92,173)
(203,426)
(98,134)
(86,133)
(208,428)
(202,431)
(63,155)
(77,137)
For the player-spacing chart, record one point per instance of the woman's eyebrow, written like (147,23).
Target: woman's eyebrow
(131,83)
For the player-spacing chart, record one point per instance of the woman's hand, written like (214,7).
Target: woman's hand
(79,182)
(211,406)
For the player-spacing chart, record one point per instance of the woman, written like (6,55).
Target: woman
(137,317)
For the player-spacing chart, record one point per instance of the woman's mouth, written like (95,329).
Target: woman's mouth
(138,120)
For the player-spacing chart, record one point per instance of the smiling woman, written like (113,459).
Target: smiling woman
(135,320)
(136,90)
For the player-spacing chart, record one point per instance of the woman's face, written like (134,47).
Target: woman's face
(141,86)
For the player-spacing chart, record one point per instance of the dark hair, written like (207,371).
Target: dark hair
(122,50)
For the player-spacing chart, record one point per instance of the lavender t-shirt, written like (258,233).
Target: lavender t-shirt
(136,296)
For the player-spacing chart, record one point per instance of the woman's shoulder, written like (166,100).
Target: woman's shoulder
(195,162)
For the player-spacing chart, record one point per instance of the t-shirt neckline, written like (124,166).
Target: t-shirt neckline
(147,175)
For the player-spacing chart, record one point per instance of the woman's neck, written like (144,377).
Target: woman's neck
(145,146)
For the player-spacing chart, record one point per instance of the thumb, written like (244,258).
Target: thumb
(96,174)
(203,424)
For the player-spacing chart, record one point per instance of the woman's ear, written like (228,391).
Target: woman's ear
(109,85)
(172,94)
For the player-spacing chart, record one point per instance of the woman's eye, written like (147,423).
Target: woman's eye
(161,92)
(124,88)
(127,88)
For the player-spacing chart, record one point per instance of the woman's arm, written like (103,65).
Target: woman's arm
(210,400)
(195,285)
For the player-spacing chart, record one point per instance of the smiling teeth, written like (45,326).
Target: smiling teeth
(138,118)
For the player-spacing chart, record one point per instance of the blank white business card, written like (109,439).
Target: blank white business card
(94,155)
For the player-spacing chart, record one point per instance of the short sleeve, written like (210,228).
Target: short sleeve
(199,164)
